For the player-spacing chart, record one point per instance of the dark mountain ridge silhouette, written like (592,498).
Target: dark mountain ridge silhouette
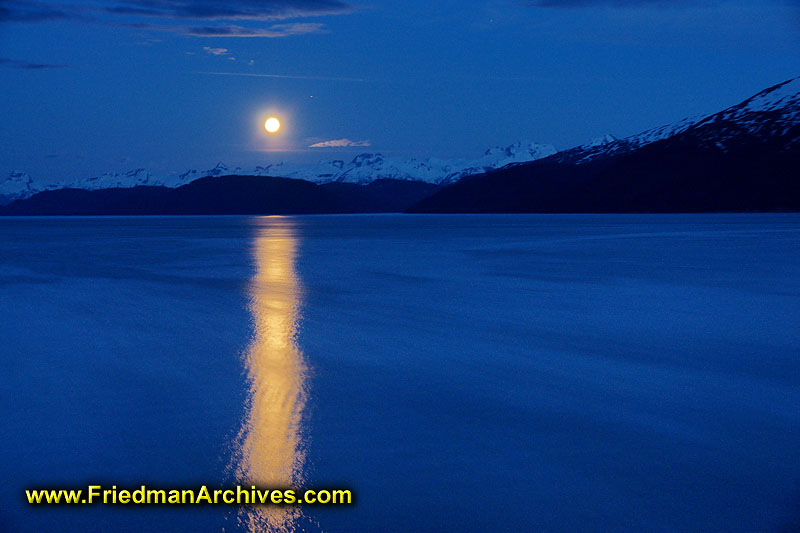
(745,158)
(228,195)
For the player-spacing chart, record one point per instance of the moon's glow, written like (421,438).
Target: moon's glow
(272,124)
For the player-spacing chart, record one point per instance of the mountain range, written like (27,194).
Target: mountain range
(362,169)
(743,158)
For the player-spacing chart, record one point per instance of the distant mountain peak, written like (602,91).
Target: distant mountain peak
(602,140)
(366,158)
(15,180)
(18,185)
(520,149)
(785,95)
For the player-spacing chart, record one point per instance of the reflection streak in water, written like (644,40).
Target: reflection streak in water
(270,453)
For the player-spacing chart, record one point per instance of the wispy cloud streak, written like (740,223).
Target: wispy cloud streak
(31,11)
(26,65)
(274,31)
(339,143)
(615,3)
(202,18)
(284,76)
(228,9)
(215,51)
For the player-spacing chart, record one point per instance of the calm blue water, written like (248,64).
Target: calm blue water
(458,373)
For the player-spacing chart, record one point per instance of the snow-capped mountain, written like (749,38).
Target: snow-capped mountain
(365,168)
(745,158)
(768,114)
(17,184)
(21,185)
(608,145)
(362,169)
(108,180)
(221,169)
(601,141)
(772,114)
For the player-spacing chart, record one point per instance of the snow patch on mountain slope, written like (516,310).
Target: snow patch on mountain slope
(772,113)
(20,185)
(601,141)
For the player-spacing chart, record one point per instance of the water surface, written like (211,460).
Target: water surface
(464,373)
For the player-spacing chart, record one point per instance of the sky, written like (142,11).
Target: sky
(115,85)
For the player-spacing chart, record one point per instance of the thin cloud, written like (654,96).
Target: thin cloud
(26,65)
(283,76)
(201,18)
(339,143)
(32,11)
(215,51)
(228,9)
(274,31)
(149,42)
(611,3)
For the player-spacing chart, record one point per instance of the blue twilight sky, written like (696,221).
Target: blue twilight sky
(112,85)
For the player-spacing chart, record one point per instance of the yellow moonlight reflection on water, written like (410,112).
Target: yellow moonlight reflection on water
(270,446)
(272,124)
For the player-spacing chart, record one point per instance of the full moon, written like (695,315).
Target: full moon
(272,124)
